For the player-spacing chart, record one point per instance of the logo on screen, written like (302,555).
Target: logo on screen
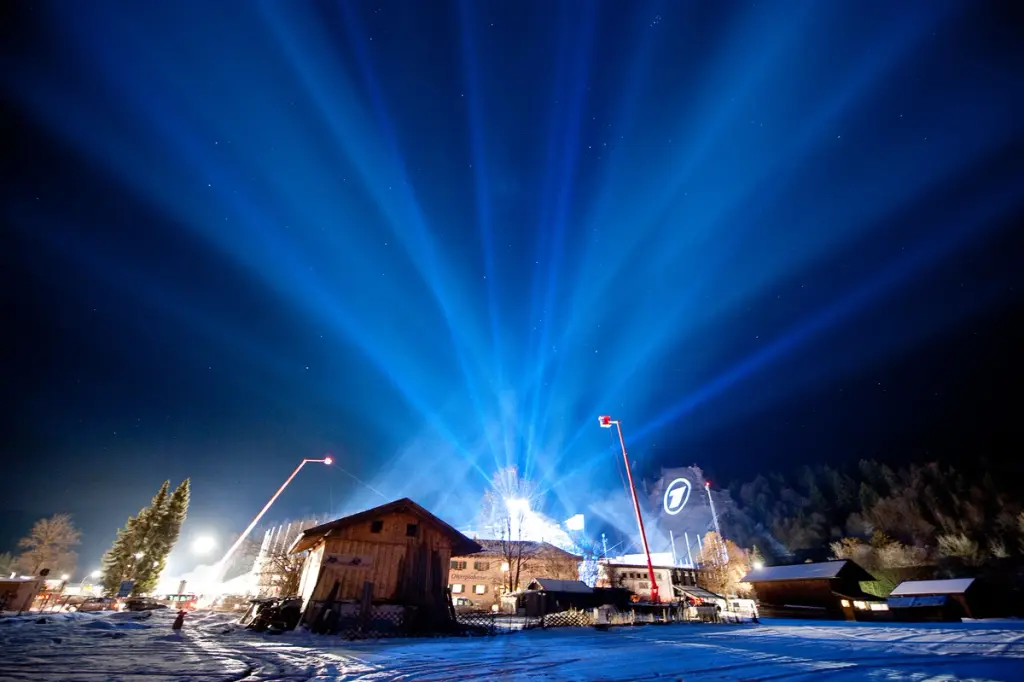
(676,495)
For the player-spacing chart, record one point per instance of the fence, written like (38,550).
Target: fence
(351,620)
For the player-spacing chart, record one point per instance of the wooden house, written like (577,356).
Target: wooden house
(395,555)
(829,589)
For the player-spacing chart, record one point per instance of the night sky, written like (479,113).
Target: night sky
(435,239)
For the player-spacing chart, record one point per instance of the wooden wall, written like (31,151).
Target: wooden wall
(407,570)
(798,593)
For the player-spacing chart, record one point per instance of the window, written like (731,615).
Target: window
(458,565)
(411,529)
(479,589)
(377,526)
(456,588)
(504,565)
(481,565)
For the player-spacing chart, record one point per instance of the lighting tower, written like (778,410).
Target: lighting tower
(606,423)
(222,564)
(718,529)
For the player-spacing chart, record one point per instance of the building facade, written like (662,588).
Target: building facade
(506,566)
(636,578)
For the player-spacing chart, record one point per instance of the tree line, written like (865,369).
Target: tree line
(880,516)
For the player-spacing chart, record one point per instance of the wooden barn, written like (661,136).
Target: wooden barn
(829,590)
(390,560)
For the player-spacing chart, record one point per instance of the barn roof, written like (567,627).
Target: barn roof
(913,588)
(461,545)
(825,570)
(552,585)
(530,548)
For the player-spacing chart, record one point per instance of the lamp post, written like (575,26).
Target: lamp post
(219,569)
(606,423)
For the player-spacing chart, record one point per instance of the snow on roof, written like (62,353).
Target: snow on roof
(551,585)
(929,587)
(825,570)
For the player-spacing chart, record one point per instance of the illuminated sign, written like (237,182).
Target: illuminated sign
(676,495)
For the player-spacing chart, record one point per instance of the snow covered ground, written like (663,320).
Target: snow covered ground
(102,647)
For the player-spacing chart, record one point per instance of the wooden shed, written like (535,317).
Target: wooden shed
(829,589)
(397,554)
(937,600)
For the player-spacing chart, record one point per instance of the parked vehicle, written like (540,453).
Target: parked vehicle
(143,604)
(182,602)
(99,604)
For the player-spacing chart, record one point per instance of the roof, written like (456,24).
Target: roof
(530,548)
(461,545)
(552,585)
(699,592)
(825,570)
(912,588)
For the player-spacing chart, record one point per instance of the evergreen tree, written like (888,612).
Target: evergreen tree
(130,550)
(119,561)
(161,537)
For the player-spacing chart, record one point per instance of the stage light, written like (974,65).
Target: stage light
(204,544)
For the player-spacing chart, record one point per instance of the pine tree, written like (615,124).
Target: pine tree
(161,537)
(119,561)
(129,552)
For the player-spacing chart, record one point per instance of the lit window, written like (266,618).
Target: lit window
(504,565)
(878,606)
(479,589)
(456,588)
(845,603)
(860,605)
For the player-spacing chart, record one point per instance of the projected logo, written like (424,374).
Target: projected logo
(676,496)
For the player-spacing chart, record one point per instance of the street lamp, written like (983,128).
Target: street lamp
(606,423)
(219,568)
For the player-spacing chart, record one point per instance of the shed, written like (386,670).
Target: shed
(829,589)
(396,555)
(17,594)
(545,595)
(936,600)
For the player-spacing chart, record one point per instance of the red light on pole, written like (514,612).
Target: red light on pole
(606,423)
(241,538)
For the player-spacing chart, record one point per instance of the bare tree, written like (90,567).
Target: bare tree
(48,545)
(280,574)
(505,510)
(959,546)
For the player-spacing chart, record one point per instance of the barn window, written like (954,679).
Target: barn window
(456,588)
(458,565)
(411,529)
(479,589)
(481,565)
(377,526)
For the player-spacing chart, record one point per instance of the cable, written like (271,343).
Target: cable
(359,481)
